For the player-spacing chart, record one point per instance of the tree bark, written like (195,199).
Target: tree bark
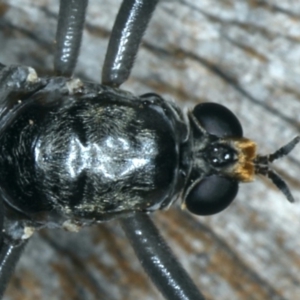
(243,54)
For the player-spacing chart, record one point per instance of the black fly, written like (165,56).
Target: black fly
(86,153)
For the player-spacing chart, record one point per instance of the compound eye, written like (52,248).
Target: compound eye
(211,195)
(218,120)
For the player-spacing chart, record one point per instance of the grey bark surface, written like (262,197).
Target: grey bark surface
(244,54)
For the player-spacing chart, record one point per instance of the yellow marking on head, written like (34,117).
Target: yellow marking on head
(244,169)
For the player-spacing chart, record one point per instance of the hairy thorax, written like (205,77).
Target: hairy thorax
(92,154)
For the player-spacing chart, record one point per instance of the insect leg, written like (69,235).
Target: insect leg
(9,256)
(68,35)
(129,27)
(157,259)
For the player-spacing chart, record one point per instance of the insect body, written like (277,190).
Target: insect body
(92,152)
(86,152)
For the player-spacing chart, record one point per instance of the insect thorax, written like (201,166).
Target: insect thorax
(91,153)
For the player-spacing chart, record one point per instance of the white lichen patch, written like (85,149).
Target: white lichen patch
(70,226)
(28,232)
(74,85)
(32,75)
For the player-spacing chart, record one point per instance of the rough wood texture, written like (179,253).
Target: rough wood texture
(242,53)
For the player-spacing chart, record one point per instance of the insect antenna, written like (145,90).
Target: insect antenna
(281,185)
(286,149)
(262,166)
